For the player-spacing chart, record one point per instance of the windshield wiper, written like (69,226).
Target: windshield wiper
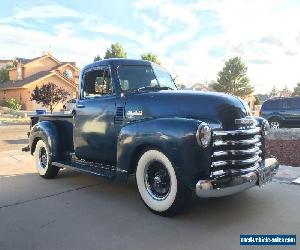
(154,88)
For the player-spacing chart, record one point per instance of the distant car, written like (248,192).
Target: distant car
(282,112)
(70,105)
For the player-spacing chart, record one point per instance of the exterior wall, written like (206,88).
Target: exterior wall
(20,95)
(43,64)
(31,105)
(13,74)
(251,101)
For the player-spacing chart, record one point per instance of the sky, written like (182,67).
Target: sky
(193,39)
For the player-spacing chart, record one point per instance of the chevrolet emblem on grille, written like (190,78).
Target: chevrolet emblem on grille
(244,121)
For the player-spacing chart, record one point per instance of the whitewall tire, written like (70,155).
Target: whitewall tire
(43,161)
(158,185)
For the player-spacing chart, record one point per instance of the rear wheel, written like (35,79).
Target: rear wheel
(274,123)
(158,185)
(43,161)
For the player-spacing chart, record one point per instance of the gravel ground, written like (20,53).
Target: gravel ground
(284,144)
(286,151)
(13,137)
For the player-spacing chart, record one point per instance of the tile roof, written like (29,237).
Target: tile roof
(4,61)
(21,83)
(25,61)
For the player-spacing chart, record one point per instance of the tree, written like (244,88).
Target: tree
(297,90)
(285,92)
(4,73)
(233,79)
(274,92)
(257,100)
(97,58)
(150,57)
(115,51)
(49,95)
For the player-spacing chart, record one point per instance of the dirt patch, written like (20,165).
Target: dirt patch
(287,152)
(13,137)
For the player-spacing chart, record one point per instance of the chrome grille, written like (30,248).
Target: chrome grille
(236,150)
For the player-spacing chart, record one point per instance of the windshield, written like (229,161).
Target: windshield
(138,77)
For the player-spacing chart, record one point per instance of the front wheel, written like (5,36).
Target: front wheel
(43,161)
(158,185)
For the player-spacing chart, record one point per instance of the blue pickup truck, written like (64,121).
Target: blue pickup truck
(130,119)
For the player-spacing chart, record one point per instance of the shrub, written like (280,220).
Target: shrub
(13,104)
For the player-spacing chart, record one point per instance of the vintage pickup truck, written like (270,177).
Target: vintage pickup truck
(130,119)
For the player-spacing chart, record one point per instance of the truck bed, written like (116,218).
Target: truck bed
(64,125)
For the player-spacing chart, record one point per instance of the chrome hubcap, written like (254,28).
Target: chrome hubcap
(43,157)
(157,181)
(274,125)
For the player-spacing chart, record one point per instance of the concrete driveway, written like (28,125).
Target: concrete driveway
(77,211)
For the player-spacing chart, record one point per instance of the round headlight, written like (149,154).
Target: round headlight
(265,128)
(203,135)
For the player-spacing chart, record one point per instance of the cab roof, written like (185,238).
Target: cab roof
(117,62)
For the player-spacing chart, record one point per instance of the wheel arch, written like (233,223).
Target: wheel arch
(275,116)
(46,131)
(33,144)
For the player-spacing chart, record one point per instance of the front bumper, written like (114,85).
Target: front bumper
(238,183)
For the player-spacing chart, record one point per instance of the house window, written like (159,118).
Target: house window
(68,74)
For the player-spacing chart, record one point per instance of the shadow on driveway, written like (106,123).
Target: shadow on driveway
(17,141)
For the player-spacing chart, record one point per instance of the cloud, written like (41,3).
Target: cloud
(65,46)
(95,24)
(259,61)
(291,53)
(270,40)
(264,33)
(45,11)
(157,26)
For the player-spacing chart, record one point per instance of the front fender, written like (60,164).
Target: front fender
(175,137)
(275,116)
(46,131)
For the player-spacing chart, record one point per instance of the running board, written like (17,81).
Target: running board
(106,171)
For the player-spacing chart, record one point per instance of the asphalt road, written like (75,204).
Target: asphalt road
(77,211)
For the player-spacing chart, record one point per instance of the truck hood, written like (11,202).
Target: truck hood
(215,108)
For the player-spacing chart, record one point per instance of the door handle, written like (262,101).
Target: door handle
(80,106)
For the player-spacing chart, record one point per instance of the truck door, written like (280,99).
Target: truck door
(94,133)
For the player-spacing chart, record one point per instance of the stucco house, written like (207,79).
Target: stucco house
(202,87)
(30,73)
